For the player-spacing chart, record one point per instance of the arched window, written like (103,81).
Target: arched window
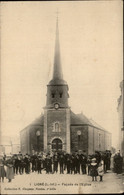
(56,127)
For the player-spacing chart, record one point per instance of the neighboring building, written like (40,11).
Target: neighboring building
(5,145)
(121,119)
(59,129)
(9,145)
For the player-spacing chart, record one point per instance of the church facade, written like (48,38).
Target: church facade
(59,129)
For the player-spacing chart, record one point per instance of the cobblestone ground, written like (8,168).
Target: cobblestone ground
(35,183)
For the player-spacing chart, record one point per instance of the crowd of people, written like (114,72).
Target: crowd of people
(75,163)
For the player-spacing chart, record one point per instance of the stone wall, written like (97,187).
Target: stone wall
(60,117)
(98,140)
(36,142)
(79,142)
(29,140)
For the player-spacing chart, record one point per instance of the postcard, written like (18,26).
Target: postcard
(62,97)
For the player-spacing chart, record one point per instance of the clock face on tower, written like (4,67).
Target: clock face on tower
(56,106)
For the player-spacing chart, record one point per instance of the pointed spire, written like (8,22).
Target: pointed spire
(57,70)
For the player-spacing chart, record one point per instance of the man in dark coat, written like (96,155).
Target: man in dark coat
(16,164)
(61,162)
(33,162)
(83,163)
(108,155)
(77,164)
(65,160)
(68,163)
(27,164)
(23,164)
(55,163)
(39,164)
(48,164)
(72,164)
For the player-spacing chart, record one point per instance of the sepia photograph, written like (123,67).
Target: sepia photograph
(62,122)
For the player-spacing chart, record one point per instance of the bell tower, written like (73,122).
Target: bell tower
(57,89)
(57,111)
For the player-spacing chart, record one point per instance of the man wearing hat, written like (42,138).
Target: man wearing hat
(72,164)
(16,164)
(68,163)
(33,161)
(61,163)
(83,161)
(27,164)
(55,162)
(48,163)
(39,164)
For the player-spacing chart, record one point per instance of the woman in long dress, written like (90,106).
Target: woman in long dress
(10,170)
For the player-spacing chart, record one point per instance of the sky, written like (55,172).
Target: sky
(91,45)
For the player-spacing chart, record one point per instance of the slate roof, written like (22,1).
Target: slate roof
(79,119)
(96,125)
(38,121)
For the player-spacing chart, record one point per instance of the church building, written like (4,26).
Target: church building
(59,128)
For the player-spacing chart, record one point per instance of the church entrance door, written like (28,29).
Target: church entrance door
(57,145)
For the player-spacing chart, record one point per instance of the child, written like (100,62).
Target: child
(93,169)
(100,171)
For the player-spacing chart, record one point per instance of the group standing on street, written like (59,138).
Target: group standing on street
(93,165)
